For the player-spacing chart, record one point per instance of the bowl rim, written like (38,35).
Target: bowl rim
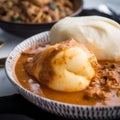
(75,13)
(9,73)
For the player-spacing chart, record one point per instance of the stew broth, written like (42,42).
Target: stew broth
(73,98)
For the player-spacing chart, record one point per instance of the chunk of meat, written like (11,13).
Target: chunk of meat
(106,79)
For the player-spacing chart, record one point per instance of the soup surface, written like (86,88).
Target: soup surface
(104,88)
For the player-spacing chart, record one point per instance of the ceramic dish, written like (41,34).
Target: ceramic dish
(58,108)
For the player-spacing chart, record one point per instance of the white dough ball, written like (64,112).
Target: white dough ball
(99,34)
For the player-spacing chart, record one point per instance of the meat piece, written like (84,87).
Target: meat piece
(106,79)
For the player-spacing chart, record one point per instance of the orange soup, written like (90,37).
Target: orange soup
(104,88)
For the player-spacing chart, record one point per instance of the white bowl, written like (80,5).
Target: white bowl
(58,108)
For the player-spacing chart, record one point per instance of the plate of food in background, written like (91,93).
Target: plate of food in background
(28,17)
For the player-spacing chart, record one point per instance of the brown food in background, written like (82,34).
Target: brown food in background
(34,11)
